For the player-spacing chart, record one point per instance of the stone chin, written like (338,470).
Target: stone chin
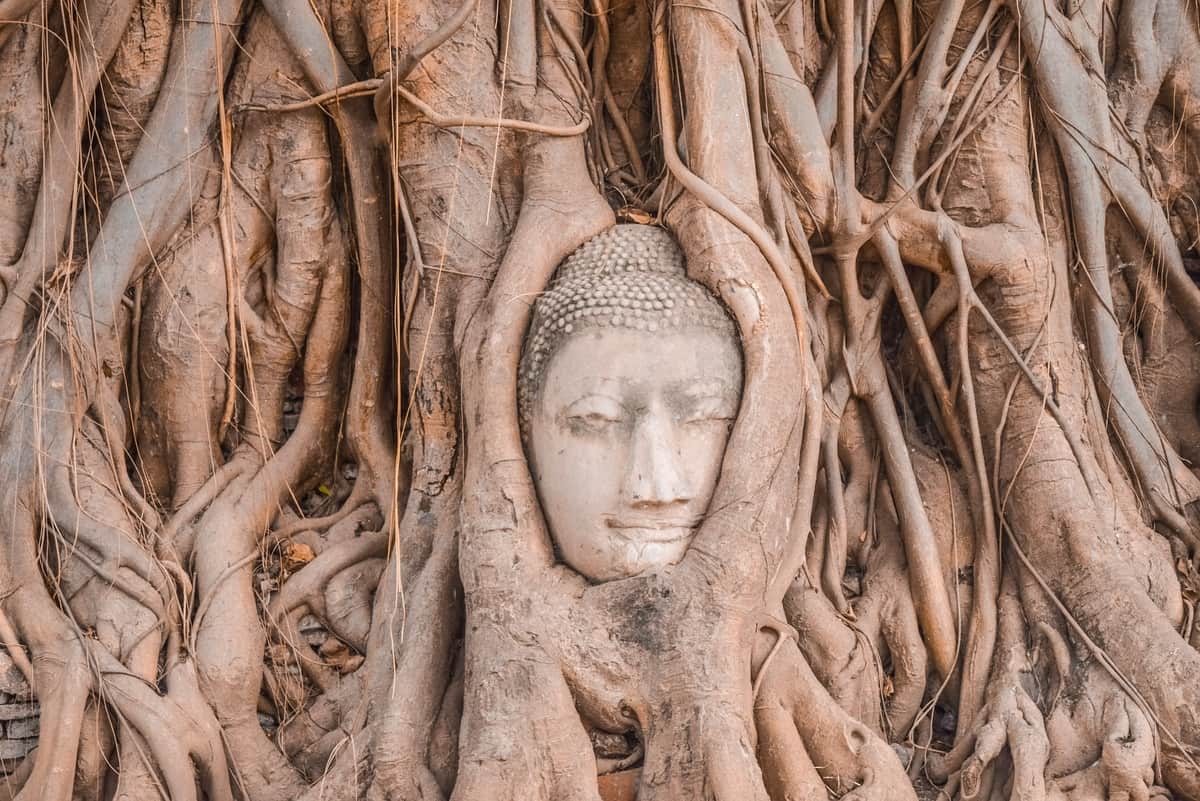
(635,552)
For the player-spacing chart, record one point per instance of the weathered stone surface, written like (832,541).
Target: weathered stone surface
(12,681)
(18,711)
(15,749)
(21,729)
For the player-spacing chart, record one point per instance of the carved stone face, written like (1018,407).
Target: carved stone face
(626,442)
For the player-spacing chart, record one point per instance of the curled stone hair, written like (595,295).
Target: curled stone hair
(631,277)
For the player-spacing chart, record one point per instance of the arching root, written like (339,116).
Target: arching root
(853,761)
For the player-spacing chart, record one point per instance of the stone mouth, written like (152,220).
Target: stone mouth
(669,529)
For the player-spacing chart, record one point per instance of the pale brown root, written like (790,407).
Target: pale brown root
(850,758)
(181,334)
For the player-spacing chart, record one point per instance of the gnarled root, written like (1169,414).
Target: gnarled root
(701,747)
(1125,768)
(182,711)
(851,759)
(521,737)
(1009,718)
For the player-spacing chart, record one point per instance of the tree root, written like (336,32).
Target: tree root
(850,759)
(512,131)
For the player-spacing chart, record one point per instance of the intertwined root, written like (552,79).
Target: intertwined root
(701,750)
(521,739)
(95,587)
(705,732)
(1102,742)
(849,758)
(1093,741)
(1128,752)
(1009,720)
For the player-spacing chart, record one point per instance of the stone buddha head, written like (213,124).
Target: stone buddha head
(629,384)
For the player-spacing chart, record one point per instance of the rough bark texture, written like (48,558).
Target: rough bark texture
(268,530)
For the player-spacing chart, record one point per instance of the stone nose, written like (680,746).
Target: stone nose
(656,476)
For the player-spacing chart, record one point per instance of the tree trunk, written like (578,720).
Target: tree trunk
(266,275)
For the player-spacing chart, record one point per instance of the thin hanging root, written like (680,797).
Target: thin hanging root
(889,254)
(415,268)
(914,128)
(449,121)
(810,462)
(782,632)
(364,88)
(871,124)
(799,242)
(953,244)
(749,57)
(561,28)
(833,566)
(55,201)
(982,635)
(383,88)
(231,289)
(905,199)
(965,116)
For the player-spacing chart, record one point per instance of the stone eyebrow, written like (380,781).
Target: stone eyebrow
(707,386)
(589,394)
(695,393)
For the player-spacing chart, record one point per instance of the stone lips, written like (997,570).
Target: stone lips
(630,276)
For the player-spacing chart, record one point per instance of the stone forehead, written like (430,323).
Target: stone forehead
(631,277)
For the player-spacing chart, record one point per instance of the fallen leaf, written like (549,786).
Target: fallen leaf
(634,214)
(296,555)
